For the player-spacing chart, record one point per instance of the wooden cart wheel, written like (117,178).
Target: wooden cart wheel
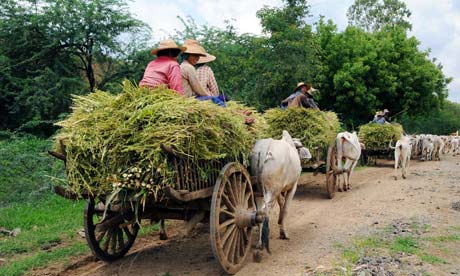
(111,238)
(232,216)
(331,178)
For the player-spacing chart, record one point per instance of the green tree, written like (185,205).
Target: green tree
(261,70)
(374,15)
(87,29)
(34,84)
(441,122)
(49,48)
(362,72)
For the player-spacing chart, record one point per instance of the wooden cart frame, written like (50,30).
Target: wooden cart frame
(328,166)
(226,199)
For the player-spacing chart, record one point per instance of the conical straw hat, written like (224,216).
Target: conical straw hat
(167,44)
(206,59)
(194,47)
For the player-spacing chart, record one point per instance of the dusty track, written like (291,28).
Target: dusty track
(315,225)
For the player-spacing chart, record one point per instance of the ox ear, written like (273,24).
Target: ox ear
(304,153)
(297,142)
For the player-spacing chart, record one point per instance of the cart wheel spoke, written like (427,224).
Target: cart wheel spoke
(227,213)
(237,246)
(227,234)
(230,245)
(226,223)
(231,193)
(228,203)
(121,242)
(242,243)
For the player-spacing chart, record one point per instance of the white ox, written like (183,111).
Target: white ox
(277,166)
(438,144)
(455,142)
(348,148)
(427,147)
(403,150)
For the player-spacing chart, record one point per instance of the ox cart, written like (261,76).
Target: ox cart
(225,199)
(370,156)
(325,161)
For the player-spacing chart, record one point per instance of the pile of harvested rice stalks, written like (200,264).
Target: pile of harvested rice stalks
(113,141)
(377,136)
(315,128)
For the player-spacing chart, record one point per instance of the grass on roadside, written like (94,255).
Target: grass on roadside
(48,232)
(433,248)
(49,224)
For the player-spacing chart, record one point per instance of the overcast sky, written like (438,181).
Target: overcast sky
(435,23)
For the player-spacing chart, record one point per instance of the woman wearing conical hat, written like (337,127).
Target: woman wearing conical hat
(165,69)
(206,75)
(190,82)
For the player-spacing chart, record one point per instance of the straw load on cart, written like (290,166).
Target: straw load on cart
(119,141)
(314,128)
(378,136)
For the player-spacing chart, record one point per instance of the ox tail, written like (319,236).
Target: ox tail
(266,234)
(390,146)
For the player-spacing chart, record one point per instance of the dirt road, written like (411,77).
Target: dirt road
(316,225)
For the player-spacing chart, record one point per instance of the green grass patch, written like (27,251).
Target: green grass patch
(435,249)
(432,259)
(404,244)
(41,259)
(447,238)
(43,224)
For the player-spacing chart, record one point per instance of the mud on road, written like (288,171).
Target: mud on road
(315,224)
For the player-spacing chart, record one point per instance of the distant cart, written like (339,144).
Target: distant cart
(324,161)
(226,199)
(370,156)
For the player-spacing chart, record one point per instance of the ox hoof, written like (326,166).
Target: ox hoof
(163,236)
(257,256)
(404,176)
(340,190)
(284,235)
(395,177)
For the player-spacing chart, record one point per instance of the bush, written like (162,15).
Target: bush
(26,169)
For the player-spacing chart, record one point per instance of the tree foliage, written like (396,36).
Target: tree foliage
(48,48)
(52,49)
(442,122)
(363,72)
(374,15)
(262,70)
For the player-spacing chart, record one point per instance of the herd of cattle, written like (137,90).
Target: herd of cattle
(424,147)
(276,164)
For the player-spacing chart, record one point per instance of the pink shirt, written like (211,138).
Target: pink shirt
(163,70)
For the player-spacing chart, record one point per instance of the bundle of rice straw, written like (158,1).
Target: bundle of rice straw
(377,136)
(113,141)
(314,128)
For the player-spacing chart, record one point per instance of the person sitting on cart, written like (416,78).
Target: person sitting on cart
(302,97)
(190,82)
(382,117)
(165,69)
